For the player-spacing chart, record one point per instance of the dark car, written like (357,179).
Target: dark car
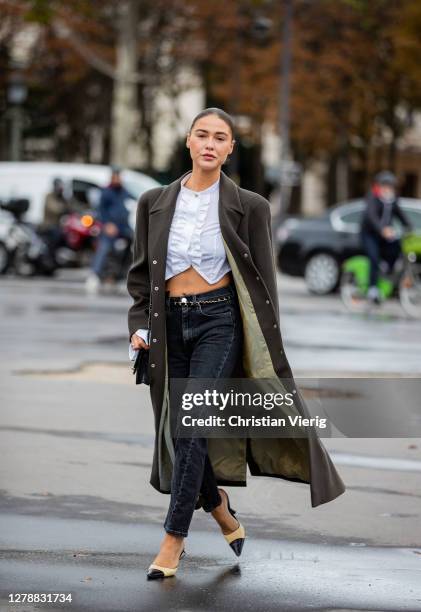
(315,247)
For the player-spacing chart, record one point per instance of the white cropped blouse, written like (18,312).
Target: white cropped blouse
(195,235)
(194,239)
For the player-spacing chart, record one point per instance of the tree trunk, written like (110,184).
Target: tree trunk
(124,103)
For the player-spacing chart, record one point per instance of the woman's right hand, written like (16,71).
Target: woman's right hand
(137,342)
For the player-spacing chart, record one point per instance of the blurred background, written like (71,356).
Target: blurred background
(325,93)
(119,82)
(96,98)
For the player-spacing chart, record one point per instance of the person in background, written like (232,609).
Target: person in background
(114,216)
(378,237)
(55,207)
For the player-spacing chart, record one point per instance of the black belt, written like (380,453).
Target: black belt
(185,301)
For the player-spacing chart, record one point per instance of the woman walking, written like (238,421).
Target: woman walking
(203,266)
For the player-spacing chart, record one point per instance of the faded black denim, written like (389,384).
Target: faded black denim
(203,341)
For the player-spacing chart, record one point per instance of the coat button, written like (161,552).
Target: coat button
(245,254)
(267,302)
(155,314)
(152,365)
(275,326)
(156,288)
(154,261)
(257,277)
(153,339)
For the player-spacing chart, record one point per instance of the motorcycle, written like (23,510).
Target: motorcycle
(79,231)
(22,249)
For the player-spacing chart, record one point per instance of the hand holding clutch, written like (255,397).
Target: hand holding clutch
(141,367)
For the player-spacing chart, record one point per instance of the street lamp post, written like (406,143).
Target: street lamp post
(258,33)
(284,113)
(16,95)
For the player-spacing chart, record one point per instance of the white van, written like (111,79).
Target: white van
(33,180)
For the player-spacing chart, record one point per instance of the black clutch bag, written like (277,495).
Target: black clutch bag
(141,367)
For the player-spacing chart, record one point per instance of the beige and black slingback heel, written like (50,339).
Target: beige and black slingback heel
(236,538)
(158,571)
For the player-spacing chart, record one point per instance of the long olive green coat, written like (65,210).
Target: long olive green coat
(244,218)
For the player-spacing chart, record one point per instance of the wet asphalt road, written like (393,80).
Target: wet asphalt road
(77,513)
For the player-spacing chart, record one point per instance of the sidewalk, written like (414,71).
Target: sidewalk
(77,437)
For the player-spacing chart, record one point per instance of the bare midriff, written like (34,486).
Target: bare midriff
(191,282)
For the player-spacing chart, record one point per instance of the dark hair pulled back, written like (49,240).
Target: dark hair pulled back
(220,113)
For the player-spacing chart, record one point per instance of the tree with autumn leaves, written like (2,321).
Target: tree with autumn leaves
(355,82)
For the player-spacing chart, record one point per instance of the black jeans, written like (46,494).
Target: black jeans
(378,248)
(203,341)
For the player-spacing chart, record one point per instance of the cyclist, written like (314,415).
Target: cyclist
(378,237)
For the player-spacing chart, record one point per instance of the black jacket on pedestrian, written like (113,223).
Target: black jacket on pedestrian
(378,215)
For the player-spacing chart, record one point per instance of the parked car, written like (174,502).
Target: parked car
(83,182)
(315,247)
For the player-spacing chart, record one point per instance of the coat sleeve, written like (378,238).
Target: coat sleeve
(261,248)
(138,284)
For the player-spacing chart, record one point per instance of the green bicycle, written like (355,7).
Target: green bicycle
(403,282)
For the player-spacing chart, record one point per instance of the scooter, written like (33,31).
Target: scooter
(24,250)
